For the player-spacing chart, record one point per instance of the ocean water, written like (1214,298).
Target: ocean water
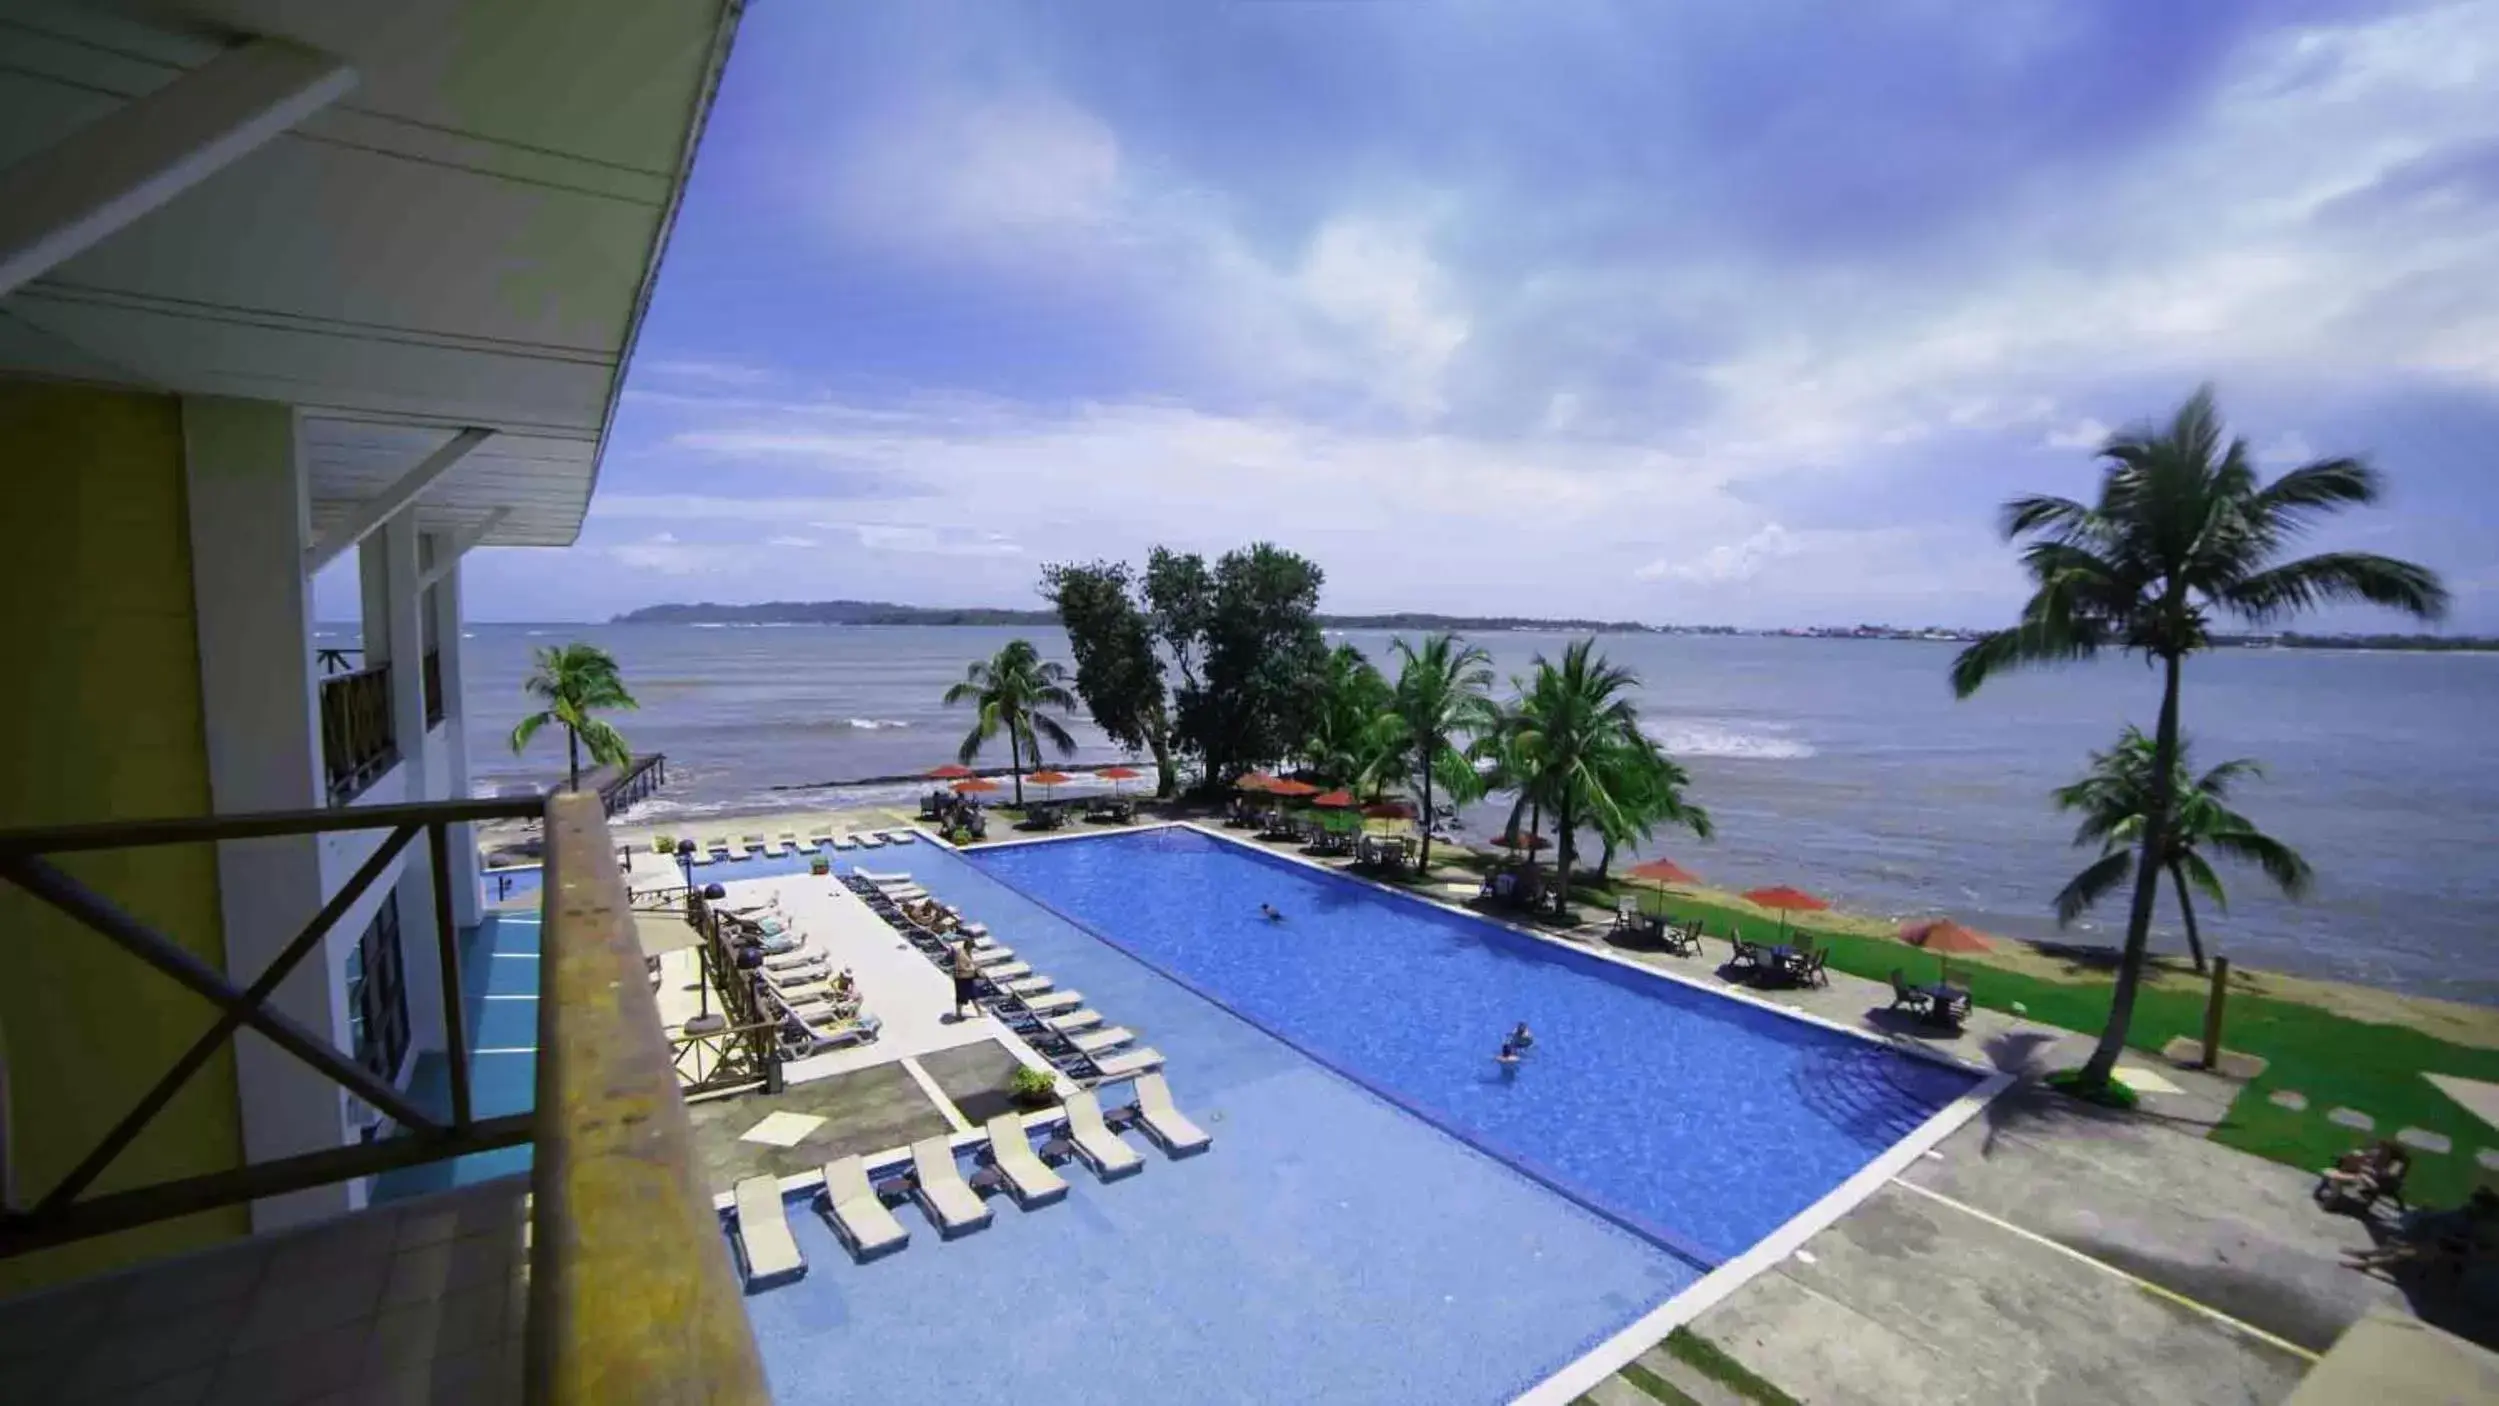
(1843,767)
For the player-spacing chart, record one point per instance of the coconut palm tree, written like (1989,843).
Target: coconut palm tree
(1348,744)
(1441,697)
(2182,531)
(1649,787)
(2116,794)
(1577,723)
(575,679)
(1010,690)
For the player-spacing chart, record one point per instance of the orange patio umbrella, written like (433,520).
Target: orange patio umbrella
(1047,779)
(1786,900)
(949,772)
(1254,781)
(1291,789)
(1389,810)
(1116,775)
(1530,842)
(975,785)
(1941,936)
(1334,800)
(1661,872)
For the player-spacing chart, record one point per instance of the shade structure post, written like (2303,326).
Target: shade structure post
(2213,1010)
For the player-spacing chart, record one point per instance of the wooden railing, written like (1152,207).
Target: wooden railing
(433,689)
(358,739)
(64,1212)
(631,1299)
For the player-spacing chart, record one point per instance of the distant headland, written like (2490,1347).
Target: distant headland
(877,612)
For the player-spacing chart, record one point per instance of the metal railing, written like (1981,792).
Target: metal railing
(359,742)
(630,1297)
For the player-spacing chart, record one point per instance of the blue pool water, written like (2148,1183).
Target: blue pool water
(1702,1121)
(1330,1247)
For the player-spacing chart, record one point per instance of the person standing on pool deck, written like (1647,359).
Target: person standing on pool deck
(966,973)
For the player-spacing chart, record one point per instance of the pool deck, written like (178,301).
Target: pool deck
(2047,1252)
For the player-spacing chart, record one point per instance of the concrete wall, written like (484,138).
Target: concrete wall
(101,719)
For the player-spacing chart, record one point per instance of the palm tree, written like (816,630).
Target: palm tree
(575,679)
(1441,696)
(2182,531)
(1649,787)
(1011,690)
(1347,743)
(1576,724)
(2115,795)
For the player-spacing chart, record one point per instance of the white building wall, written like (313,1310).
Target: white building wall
(249,531)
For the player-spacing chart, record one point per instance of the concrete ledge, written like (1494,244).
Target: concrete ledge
(630,1298)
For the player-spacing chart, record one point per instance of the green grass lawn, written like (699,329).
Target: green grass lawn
(2333,1059)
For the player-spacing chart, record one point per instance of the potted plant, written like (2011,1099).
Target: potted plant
(1032,1088)
(664,844)
(819,866)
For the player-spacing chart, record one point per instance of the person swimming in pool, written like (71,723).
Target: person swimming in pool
(1508,1060)
(1268,912)
(1522,1039)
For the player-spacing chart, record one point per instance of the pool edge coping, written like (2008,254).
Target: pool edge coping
(1584,1372)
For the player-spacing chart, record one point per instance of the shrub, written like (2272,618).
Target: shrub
(1030,1085)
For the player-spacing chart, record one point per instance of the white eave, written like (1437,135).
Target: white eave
(466,238)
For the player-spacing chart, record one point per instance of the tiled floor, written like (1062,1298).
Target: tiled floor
(499,975)
(419,1301)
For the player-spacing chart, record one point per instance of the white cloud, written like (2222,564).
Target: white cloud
(926,540)
(664,554)
(1728,561)
(791,542)
(2085,434)
(2286,450)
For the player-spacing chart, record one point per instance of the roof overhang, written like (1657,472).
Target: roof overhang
(465,237)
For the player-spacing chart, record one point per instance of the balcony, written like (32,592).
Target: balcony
(597,1278)
(433,689)
(358,739)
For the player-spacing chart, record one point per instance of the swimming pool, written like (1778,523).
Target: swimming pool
(1697,1120)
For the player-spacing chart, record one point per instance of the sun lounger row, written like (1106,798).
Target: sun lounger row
(861,1218)
(721,848)
(1023,999)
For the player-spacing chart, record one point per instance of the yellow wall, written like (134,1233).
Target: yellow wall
(100,719)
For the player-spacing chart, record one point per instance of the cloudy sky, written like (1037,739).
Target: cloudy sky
(1681,312)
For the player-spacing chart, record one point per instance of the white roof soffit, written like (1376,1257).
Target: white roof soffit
(467,237)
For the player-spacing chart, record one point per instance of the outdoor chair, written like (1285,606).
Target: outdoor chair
(2363,1178)
(1682,941)
(1745,957)
(1627,915)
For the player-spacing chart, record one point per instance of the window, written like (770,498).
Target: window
(377,993)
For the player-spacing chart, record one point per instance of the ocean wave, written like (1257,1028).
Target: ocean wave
(875,724)
(1685,739)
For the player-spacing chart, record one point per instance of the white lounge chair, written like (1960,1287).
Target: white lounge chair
(702,855)
(1073,1021)
(1008,971)
(750,844)
(819,838)
(868,840)
(1095,1042)
(886,876)
(975,929)
(841,842)
(1095,1142)
(899,837)
(774,849)
(1164,1122)
(987,951)
(857,1214)
(798,957)
(1027,986)
(717,845)
(1011,1152)
(903,893)
(790,839)
(1046,1002)
(1127,1062)
(942,1192)
(767,1253)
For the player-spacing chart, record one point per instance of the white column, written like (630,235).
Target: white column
(403,633)
(466,904)
(261,694)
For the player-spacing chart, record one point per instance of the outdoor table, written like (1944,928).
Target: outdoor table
(1057,1149)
